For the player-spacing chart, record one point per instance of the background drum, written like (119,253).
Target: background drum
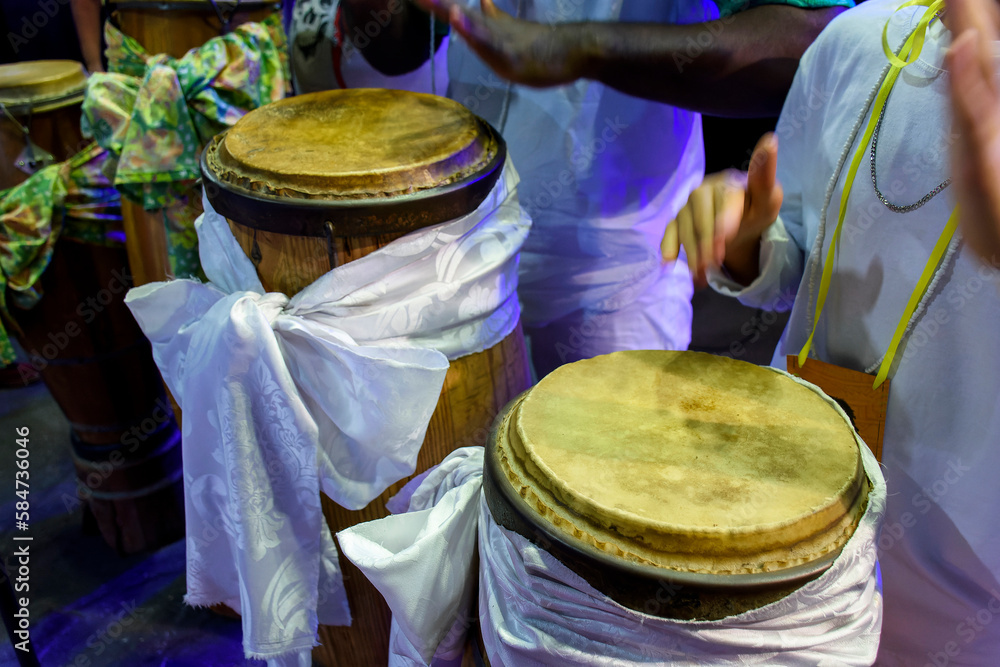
(94,359)
(298,220)
(172,28)
(43,98)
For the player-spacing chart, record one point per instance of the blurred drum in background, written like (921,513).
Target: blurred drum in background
(64,294)
(179,73)
(319,181)
(658,488)
(160,239)
(41,116)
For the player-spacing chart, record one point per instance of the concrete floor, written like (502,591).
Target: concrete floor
(88,606)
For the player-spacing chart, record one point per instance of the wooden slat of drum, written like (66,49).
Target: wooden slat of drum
(476,388)
(177,31)
(127,524)
(98,364)
(289,263)
(146,243)
(136,496)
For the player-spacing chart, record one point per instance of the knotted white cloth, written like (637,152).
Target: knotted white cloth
(533,610)
(330,390)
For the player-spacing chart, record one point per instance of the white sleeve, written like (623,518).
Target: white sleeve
(780,272)
(785,242)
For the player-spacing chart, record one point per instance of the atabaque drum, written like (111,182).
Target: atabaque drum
(95,361)
(727,485)
(313,182)
(40,118)
(172,28)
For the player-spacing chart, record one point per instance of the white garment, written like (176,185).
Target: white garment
(940,546)
(533,610)
(330,390)
(635,326)
(422,560)
(603,175)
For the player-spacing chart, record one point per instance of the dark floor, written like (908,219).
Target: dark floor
(88,606)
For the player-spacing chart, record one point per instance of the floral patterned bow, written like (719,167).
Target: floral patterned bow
(154,113)
(72,200)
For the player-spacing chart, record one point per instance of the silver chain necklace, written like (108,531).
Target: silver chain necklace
(882,198)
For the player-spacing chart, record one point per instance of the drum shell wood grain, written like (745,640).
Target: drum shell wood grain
(177,30)
(99,368)
(476,388)
(97,364)
(174,31)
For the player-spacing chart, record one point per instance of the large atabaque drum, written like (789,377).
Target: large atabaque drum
(686,488)
(313,182)
(94,359)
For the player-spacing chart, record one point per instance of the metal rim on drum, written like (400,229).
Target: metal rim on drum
(514,513)
(51,104)
(353,217)
(44,85)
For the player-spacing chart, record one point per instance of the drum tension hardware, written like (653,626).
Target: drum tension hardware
(32,158)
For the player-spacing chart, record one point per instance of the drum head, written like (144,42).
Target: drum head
(366,160)
(639,468)
(41,85)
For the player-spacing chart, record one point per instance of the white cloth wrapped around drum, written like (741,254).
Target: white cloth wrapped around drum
(536,609)
(331,389)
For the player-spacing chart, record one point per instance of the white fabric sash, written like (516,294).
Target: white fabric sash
(533,610)
(330,390)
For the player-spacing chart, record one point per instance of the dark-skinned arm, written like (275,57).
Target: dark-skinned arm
(87,18)
(741,65)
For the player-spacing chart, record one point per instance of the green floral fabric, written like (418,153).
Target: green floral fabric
(72,201)
(154,113)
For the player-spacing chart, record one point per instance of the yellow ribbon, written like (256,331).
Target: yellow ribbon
(907,54)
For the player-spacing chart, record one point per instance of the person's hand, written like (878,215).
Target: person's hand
(976,110)
(725,217)
(533,54)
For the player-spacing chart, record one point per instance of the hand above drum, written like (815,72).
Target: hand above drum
(534,54)
(744,70)
(976,104)
(724,218)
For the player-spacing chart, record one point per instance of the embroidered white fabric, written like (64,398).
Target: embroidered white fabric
(533,610)
(330,390)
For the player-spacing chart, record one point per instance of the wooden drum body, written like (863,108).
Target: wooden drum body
(313,182)
(174,28)
(94,359)
(730,484)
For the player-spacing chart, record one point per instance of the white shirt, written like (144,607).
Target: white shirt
(603,172)
(940,544)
